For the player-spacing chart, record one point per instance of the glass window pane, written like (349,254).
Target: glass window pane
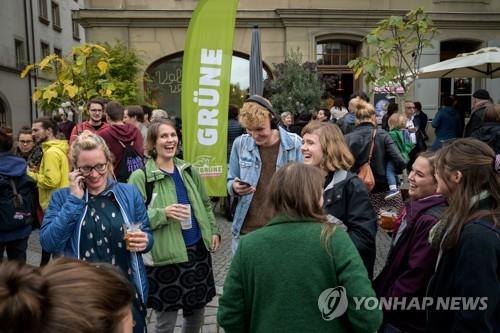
(163,87)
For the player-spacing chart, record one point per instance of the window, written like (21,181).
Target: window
(57,52)
(45,48)
(43,14)
(335,52)
(164,86)
(56,18)
(76,31)
(20,54)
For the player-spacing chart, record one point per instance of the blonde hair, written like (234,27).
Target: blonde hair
(90,141)
(253,115)
(296,178)
(397,121)
(364,110)
(336,153)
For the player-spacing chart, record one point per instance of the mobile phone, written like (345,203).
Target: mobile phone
(242,182)
(82,184)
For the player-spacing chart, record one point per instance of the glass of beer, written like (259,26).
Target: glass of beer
(129,230)
(387,218)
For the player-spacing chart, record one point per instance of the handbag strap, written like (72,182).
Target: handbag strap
(372,144)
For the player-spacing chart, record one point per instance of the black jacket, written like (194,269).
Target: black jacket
(385,149)
(489,133)
(347,199)
(470,270)
(475,121)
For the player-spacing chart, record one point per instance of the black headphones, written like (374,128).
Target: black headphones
(264,103)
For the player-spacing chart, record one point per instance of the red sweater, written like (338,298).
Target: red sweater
(124,133)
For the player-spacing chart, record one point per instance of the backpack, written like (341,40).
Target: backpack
(365,171)
(17,202)
(130,161)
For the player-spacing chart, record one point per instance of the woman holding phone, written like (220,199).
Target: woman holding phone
(88,220)
(184,229)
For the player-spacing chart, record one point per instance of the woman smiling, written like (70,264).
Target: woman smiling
(87,220)
(184,229)
(345,196)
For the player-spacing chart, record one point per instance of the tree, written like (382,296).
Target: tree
(297,86)
(396,44)
(88,71)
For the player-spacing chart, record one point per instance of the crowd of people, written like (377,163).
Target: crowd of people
(308,199)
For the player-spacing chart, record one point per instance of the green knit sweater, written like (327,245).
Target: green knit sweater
(278,274)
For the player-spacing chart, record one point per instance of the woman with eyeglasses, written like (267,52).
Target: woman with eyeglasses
(89,219)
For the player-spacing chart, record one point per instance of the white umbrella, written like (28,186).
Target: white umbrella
(484,63)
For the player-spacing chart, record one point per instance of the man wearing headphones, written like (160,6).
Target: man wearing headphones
(254,159)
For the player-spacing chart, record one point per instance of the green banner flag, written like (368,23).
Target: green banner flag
(206,73)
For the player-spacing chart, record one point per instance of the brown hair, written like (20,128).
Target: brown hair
(67,295)
(6,139)
(492,113)
(253,115)
(47,123)
(152,137)
(24,130)
(296,178)
(97,100)
(475,161)
(114,111)
(135,111)
(336,153)
(430,156)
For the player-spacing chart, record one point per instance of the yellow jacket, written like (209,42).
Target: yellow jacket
(54,170)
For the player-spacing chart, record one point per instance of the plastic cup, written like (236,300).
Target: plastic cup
(387,218)
(187,223)
(130,229)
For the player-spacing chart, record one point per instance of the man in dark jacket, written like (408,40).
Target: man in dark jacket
(119,134)
(480,101)
(489,132)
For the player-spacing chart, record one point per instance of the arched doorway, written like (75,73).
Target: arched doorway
(163,79)
(332,57)
(461,87)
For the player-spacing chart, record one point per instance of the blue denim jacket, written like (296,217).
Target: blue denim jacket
(62,223)
(245,163)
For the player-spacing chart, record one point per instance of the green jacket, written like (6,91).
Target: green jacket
(278,274)
(53,171)
(169,246)
(405,146)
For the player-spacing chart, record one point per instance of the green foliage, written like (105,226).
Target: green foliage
(396,46)
(297,86)
(236,95)
(88,71)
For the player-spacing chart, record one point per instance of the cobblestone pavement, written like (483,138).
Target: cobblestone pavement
(221,263)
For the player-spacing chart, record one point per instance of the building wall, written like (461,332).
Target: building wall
(20,20)
(158,27)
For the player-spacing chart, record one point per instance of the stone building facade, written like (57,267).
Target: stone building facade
(30,30)
(329,32)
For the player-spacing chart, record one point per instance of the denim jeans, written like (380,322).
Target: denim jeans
(390,173)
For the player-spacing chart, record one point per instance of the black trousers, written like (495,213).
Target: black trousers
(16,250)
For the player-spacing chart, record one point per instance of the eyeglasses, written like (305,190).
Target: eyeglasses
(101,168)
(25,142)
